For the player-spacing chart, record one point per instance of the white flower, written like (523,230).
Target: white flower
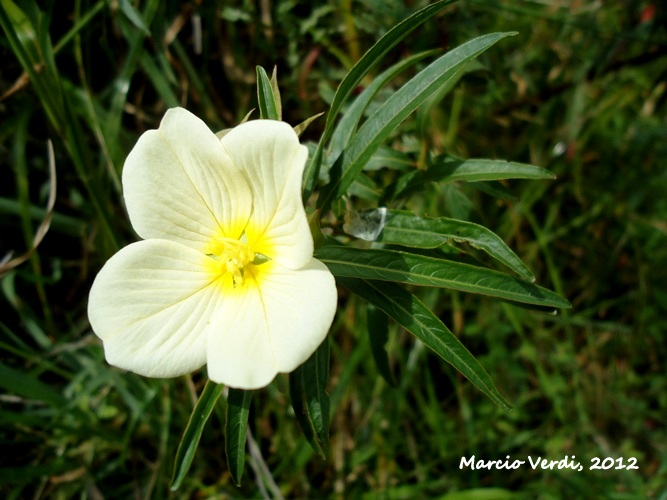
(225,275)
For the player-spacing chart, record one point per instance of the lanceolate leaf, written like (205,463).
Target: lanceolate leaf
(236,422)
(364,188)
(486,170)
(406,229)
(276,93)
(473,170)
(193,431)
(299,129)
(367,62)
(310,401)
(409,312)
(392,159)
(385,120)
(403,267)
(268,108)
(348,124)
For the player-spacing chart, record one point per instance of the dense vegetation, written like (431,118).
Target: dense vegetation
(580,91)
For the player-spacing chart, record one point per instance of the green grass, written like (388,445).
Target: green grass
(580,91)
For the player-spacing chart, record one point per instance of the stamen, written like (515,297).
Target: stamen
(234,255)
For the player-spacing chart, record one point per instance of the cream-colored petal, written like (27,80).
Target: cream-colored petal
(151,304)
(239,352)
(269,154)
(272,328)
(179,184)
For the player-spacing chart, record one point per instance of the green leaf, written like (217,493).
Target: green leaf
(236,422)
(367,62)
(406,229)
(378,333)
(308,384)
(135,18)
(482,494)
(134,38)
(494,189)
(363,187)
(157,77)
(386,157)
(35,53)
(409,312)
(27,386)
(299,129)
(276,92)
(190,440)
(24,42)
(35,473)
(487,170)
(268,107)
(444,169)
(424,118)
(403,102)
(348,124)
(403,267)
(196,79)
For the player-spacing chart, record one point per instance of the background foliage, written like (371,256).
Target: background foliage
(581,91)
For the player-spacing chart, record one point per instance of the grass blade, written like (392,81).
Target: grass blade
(33,52)
(16,382)
(24,43)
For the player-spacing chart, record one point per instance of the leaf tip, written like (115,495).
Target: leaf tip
(176,482)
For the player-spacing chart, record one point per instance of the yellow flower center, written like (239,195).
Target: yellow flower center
(234,258)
